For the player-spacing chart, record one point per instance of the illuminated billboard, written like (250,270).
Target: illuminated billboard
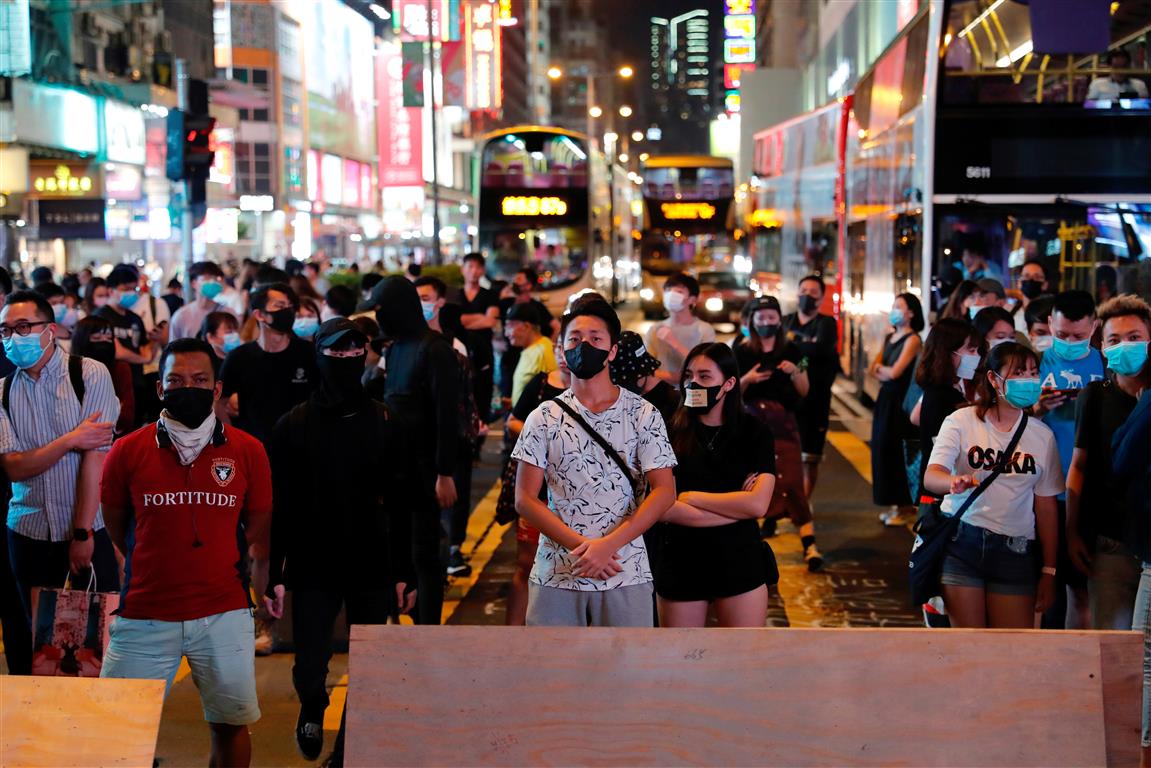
(482,56)
(341,91)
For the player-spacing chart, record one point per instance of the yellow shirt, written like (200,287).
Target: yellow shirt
(537,357)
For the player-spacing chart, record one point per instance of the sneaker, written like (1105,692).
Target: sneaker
(814,558)
(899,520)
(887,514)
(769,527)
(309,738)
(457,566)
(264,641)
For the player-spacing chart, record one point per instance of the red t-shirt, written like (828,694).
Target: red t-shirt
(186,549)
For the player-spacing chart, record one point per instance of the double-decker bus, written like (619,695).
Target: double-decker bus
(971,139)
(689,212)
(545,203)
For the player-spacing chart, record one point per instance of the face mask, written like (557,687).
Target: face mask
(520,290)
(127,300)
(896,317)
(1022,393)
(305,327)
(341,377)
(701,398)
(1042,343)
(211,290)
(766,331)
(282,319)
(59,310)
(996,342)
(674,301)
(585,361)
(1032,289)
(104,351)
(968,364)
(745,331)
(231,341)
(24,351)
(101,302)
(808,304)
(1127,358)
(1071,350)
(429,308)
(974,310)
(189,405)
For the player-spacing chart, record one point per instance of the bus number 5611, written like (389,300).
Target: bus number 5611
(979,172)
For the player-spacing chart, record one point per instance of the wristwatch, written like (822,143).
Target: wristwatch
(1048,570)
(81,534)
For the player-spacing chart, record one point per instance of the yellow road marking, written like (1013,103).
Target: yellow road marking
(854,450)
(335,711)
(484,536)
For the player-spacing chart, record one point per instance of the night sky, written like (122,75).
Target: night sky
(631,33)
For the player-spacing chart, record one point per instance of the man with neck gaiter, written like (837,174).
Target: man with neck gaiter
(360,556)
(183,499)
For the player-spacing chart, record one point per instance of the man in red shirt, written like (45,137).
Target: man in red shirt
(183,500)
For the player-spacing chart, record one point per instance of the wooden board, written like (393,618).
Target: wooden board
(79,721)
(803,697)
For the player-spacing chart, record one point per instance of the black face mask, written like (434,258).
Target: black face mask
(585,361)
(1032,289)
(341,378)
(282,319)
(765,331)
(700,398)
(808,304)
(104,351)
(189,405)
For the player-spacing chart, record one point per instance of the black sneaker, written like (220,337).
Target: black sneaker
(814,558)
(769,526)
(309,738)
(457,566)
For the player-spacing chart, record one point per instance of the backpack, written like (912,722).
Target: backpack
(75,375)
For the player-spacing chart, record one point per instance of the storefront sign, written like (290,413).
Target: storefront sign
(533,206)
(13,169)
(15,38)
(123,182)
(71,219)
(400,128)
(483,57)
(55,117)
(681,211)
(739,51)
(411,19)
(124,137)
(341,113)
(63,180)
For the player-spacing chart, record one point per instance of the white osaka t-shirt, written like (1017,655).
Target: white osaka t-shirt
(968,445)
(586,489)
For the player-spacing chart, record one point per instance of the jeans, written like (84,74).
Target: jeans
(1141,621)
(13,619)
(314,613)
(37,563)
(1112,585)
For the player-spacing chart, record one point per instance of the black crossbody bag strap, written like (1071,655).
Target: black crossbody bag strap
(999,467)
(611,452)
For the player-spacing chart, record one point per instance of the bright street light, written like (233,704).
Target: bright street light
(595,112)
(623,158)
(643,156)
(555,73)
(626,71)
(637,135)
(625,111)
(611,137)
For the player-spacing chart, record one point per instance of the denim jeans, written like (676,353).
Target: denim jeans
(1112,585)
(1141,621)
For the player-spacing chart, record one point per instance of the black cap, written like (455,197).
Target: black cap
(632,360)
(337,329)
(991,285)
(524,312)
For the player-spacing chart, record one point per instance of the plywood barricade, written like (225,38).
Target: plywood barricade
(511,696)
(78,721)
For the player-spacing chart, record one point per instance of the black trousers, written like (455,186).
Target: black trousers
(314,613)
(427,533)
(13,619)
(457,522)
(38,563)
(482,384)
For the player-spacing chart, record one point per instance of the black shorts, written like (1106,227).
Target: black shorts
(813,417)
(709,563)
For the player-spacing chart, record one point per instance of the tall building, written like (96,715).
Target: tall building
(683,90)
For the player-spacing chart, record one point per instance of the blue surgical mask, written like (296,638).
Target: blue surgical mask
(968,364)
(1071,350)
(896,317)
(211,289)
(429,308)
(1022,393)
(745,331)
(127,300)
(974,310)
(60,311)
(24,351)
(305,327)
(1127,358)
(231,341)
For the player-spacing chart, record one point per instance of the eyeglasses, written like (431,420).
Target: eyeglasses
(21,328)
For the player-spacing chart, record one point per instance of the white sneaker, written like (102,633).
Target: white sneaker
(899,520)
(887,514)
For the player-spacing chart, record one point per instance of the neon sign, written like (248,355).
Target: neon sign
(534,206)
(678,211)
(62,182)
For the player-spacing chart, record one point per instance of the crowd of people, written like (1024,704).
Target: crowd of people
(285,437)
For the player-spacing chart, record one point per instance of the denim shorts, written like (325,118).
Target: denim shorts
(1003,565)
(220,651)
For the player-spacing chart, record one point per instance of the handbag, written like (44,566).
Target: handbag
(934,529)
(607,448)
(506,501)
(70,629)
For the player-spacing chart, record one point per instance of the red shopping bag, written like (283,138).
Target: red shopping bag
(70,629)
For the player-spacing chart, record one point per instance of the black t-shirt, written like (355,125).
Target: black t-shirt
(665,398)
(1101,408)
(535,392)
(478,342)
(724,466)
(938,404)
(779,388)
(128,329)
(269,384)
(817,341)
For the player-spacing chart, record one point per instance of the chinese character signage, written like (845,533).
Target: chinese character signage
(64,180)
(483,56)
(400,133)
(738,47)
(71,219)
(410,19)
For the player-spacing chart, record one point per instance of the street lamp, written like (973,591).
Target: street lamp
(625,111)
(555,73)
(595,112)
(637,135)
(625,72)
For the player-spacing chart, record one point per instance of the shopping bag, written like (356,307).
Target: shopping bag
(70,629)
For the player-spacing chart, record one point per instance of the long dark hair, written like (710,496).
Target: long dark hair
(916,308)
(90,292)
(82,334)
(955,308)
(684,438)
(1004,359)
(936,366)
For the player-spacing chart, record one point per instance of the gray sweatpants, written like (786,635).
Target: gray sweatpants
(620,607)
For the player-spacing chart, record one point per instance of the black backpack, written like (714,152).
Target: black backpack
(75,375)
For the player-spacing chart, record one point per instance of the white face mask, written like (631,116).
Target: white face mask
(1042,343)
(968,364)
(674,301)
(996,342)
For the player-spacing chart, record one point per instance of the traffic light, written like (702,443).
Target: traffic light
(175,159)
(198,152)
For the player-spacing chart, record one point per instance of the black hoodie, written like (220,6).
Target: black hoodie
(422,376)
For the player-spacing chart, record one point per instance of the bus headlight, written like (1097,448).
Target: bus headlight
(647,294)
(713,304)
